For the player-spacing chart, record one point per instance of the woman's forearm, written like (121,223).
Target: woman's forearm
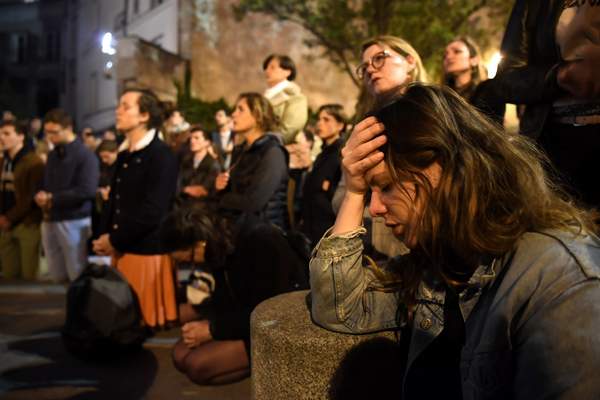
(350,215)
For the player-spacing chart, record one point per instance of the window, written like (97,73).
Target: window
(17,48)
(52,48)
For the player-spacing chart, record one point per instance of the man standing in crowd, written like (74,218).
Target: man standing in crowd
(22,172)
(67,194)
(223,138)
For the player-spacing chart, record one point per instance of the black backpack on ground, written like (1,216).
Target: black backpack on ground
(103,318)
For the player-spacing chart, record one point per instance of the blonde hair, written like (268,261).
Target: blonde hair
(367,101)
(402,47)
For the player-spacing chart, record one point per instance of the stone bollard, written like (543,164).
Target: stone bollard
(292,358)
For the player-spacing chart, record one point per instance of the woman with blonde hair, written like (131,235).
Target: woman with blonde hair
(463,67)
(389,64)
(499,296)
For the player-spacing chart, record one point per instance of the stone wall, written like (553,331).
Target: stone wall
(226,55)
(144,64)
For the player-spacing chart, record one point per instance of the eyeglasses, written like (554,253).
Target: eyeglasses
(377,61)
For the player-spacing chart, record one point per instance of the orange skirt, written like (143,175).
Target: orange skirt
(151,278)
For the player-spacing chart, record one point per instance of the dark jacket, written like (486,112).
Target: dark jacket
(258,181)
(71,176)
(28,172)
(106,174)
(527,74)
(262,265)
(141,193)
(317,212)
(204,174)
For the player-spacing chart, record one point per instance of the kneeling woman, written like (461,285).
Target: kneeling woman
(500,295)
(250,263)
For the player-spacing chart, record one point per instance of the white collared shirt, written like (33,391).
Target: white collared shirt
(280,87)
(145,141)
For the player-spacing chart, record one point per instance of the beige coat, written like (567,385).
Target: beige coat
(291,106)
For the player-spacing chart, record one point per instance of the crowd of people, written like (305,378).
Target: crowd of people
(485,246)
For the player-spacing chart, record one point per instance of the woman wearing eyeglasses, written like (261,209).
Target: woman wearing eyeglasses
(389,64)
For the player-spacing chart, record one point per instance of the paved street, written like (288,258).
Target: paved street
(35,365)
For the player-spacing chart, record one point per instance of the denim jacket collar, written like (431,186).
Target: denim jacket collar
(428,319)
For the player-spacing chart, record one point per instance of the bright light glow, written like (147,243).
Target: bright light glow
(109,65)
(108,43)
(492,66)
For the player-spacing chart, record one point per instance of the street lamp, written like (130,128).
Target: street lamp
(108,44)
(108,47)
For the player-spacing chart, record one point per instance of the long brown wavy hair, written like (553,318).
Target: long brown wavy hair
(493,187)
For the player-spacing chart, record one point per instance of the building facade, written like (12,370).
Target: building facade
(112,35)
(80,54)
(32,65)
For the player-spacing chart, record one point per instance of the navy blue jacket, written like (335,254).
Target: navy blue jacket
(71,175)
(141,194)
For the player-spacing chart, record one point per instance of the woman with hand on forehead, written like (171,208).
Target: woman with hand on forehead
(389,64)
(499,296)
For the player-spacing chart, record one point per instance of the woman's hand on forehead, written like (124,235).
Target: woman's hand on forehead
(362,153)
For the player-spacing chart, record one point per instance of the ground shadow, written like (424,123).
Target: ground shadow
(370,370)
(129,377)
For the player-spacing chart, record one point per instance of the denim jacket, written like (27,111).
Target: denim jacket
(532,333)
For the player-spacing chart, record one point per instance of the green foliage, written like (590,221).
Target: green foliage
(197,111)
(338,27)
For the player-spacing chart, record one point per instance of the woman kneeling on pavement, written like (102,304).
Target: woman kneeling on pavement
(499,296)
(250,261)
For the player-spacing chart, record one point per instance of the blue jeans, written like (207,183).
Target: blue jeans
(65,246)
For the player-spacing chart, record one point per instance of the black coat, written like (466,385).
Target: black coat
(204,174)
(262,265)
(258,181)
(528,72)
(317,212)
(141,194)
